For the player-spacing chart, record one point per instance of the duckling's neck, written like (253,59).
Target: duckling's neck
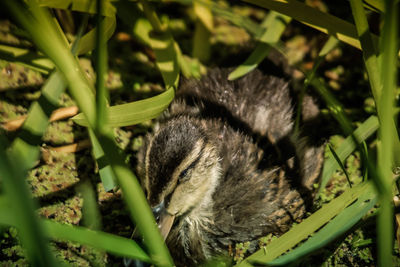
(199,221)
(206,203)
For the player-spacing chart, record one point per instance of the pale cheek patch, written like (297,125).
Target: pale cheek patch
(199,188)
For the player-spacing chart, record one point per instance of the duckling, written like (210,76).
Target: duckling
(224,165)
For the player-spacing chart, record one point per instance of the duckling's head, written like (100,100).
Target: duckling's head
(180,169)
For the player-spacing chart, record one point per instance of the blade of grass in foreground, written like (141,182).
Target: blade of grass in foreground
(107,176)
(312,17)
(136,202)
(30,232)
(307,227)
(226,12)
(28,141)
(368,47)
(134,112)
(204,26)
(114,244)
(388,133)
(336,227)
(26,58)
(163,45)
(100,60)
(365,130)
(336,157)
(37,21)
(87,6)
(276,24)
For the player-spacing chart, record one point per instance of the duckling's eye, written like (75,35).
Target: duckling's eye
(184,175)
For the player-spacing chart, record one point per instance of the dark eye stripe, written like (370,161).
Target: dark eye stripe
(183,174)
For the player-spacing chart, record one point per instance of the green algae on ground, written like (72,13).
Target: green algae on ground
(56,175)
(14,76)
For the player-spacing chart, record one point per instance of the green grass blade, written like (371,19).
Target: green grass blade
(203,28)
(336,157)
(37,21)
(368,48)
(335,228)
(113,244)
(153,33)
(106,174)
(26,58)
(338,113)
(28,141)
(375,5)
(87,6)
(25,148)
(90,209)
(134,112)
(164,47)
(307,227)
(136,202)
(226,12)
(100,60)
(88,40)
(276,25)
(30,232)
(334,106)
(387,154)
(241,21)
(365,130)
(312,17)
(91,216)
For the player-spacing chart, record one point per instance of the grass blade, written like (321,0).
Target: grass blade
(368,48)
(134,112)
(116,245)
(335,228)
(31,233)
(136,202)
(204,26)
(276,25)
(87,6)
(324,22)
(36,21)
(365,130)
(26,58)
(336,157)
(100,59)
(375,5)
(106,174)
(308,226)
(389,46)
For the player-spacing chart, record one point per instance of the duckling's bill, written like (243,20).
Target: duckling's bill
(165,223)
(164,219)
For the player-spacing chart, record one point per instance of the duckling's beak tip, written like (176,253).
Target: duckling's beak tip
(165,223)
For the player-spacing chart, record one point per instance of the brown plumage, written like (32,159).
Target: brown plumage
(224,165)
